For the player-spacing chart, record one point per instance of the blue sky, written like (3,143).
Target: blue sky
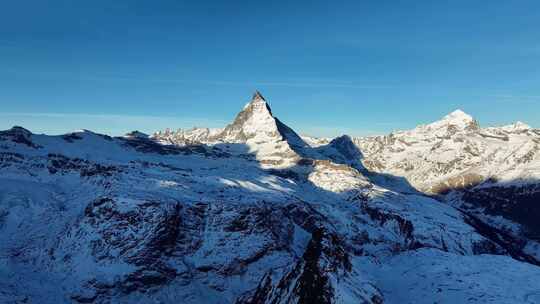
(357,67)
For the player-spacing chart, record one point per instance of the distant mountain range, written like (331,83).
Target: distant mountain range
(448,212)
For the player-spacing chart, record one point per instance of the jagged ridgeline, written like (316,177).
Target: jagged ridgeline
(255,213)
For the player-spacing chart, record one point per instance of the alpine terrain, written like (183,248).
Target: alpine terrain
(254,213)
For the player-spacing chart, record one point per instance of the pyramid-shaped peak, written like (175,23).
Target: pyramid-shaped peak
(257,96)
(257,105)
(255,118)
(256,123)
(459,119)
(456,121)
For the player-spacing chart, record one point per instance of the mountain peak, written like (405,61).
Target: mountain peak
(255,119)
(521,125)
(257,104)
(458,115)
(136,134)
(257,96)
(454,122)
(256,126)
(459,119)
(518,126)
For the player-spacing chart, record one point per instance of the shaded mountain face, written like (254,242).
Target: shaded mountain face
(245,214)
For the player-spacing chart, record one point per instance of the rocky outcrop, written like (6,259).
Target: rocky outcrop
(313,279)
(141,234)
(60,164)
(19,135)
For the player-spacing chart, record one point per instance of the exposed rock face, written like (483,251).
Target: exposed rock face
(60,164)
(346,149)
(314,279)
(255,120)
(136,134)
(140,235)
(18,135)
(518,203)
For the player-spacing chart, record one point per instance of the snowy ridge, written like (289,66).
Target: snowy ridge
(185,137)
(455,153)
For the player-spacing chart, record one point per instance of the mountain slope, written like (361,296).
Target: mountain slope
(230,218)
(493,173)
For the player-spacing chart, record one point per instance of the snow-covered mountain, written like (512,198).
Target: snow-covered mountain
(254,213)
(493,172)
(262,134)
(455,152)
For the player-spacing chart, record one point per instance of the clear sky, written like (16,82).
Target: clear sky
(326,67)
